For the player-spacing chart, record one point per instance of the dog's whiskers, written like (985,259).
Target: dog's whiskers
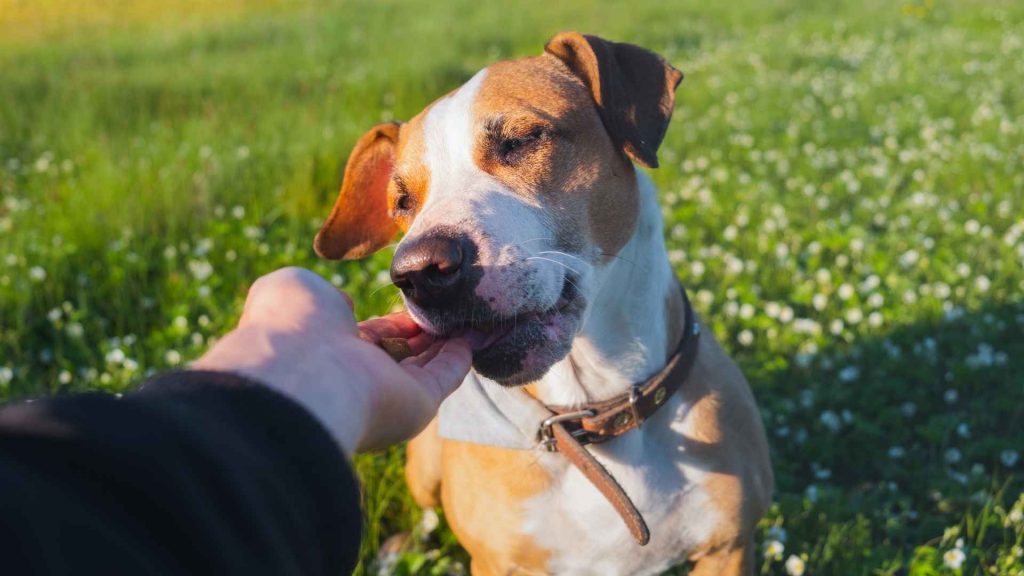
(567,255)
(566,266)
(381,288)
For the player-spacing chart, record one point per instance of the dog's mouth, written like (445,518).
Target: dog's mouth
(518,349)
(492,332)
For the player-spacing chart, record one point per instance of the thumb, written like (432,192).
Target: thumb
(442,367)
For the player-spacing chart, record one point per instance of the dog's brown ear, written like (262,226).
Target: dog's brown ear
(359,223)
(634,89)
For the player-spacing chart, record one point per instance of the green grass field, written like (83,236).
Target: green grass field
(843,187)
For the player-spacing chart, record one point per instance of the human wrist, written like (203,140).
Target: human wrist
(304,373)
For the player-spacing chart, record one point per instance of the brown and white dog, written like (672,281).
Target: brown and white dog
(525,220)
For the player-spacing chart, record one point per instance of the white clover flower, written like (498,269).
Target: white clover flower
(795,566)
(854,316)
(963,430)
(786,314)
(37,273)
(745,337)
(774,549)
(1016,516)
(777,533)
(64,377)
(897,452)
(908,409)
(242,153)
(876,300)
(201,269)
(172,357)
(54,315)
(836,327)
(170,252)
(1009,458)
(954,558)
(951,396)
(909,258)
(338,280)
(697,269)
(772,309)
(130,365)
(875,319)
(982,283)
(830,420)
(238,212)
(115,356)
(849,374)
(180,323)
(953,456)
(845,291)
(746,311)
(429,522)
(819,301)
(74,330)
(6,375)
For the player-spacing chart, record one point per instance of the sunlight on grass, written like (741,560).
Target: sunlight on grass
(842,186)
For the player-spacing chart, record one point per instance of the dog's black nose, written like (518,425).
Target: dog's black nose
(431,270)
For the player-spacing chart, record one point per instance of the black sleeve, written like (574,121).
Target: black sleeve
(198,473)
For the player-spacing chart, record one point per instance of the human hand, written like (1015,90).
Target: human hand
(298,335)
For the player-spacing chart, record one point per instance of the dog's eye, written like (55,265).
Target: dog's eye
(510,148)
(403,203)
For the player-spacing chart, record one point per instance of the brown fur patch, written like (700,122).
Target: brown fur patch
(572,168)
(740,479)
(411,176)
(423,466)
(484,491)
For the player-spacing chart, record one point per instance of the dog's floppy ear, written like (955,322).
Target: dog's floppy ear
(633,88)
(359,223)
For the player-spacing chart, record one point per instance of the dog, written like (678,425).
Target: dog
(528,226)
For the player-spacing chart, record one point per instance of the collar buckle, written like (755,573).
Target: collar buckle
(634,408)
(548,436)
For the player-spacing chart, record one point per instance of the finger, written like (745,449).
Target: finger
(420,342)
(425,356)
(397,325)
(448,367)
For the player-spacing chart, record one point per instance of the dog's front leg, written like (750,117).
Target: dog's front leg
(735,560)
(423,466)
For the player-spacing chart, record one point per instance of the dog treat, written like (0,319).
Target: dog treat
(397,348)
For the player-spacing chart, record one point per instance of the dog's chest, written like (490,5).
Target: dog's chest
(583,532)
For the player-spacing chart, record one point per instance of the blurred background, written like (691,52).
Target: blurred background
(842,185)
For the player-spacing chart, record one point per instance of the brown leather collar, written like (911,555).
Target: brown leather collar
(569,429)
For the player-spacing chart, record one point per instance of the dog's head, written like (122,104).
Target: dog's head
(513,191)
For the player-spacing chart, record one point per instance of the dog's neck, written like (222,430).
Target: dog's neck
(631,324)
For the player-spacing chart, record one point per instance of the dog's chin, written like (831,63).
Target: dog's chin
(526,350)
(517,350)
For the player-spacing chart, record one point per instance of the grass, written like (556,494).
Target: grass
(843,188)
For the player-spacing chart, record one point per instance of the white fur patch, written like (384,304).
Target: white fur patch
(508,230)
